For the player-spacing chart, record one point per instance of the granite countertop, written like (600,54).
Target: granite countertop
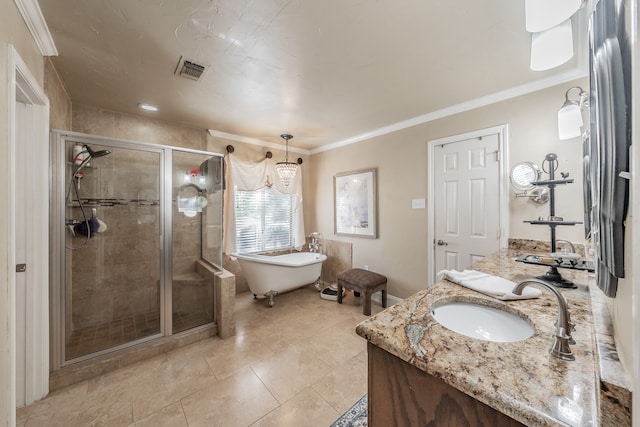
(520,379)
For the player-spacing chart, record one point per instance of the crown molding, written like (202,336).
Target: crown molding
(567,76)
(254,141)
(32,15)
(483,101)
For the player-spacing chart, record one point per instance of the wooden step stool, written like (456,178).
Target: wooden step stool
(364,281)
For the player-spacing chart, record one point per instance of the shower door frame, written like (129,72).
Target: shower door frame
(59,139)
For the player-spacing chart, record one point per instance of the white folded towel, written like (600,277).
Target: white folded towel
(487,284)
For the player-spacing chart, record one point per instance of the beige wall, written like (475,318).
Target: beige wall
(14,32)
(400,252)
(59,100)
(621,307)
(101,122)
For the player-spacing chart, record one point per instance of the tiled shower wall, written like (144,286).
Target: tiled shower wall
(339,259)
(118,271)
(134,286)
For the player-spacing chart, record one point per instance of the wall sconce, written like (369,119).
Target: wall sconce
(540,15)
(570,115)
(549,21)
(552,48)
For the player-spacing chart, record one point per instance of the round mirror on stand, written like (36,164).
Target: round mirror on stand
(522,176)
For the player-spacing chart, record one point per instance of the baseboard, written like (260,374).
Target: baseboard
(377,297)
(391,300)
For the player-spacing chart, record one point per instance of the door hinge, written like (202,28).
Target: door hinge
(21,268)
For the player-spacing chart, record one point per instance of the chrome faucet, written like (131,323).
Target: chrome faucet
(573,248)
(316,242)
(562,338)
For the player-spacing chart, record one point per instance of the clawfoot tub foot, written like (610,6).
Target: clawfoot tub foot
(271,294)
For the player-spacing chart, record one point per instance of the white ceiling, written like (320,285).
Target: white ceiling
(325,71)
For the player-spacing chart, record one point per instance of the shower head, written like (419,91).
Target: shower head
(96,154)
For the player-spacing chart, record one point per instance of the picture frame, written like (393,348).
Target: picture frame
(355,204)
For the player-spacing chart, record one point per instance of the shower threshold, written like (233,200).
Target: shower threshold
(95,366)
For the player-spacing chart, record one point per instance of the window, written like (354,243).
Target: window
(263,220)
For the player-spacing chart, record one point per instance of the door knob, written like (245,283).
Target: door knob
(441,243)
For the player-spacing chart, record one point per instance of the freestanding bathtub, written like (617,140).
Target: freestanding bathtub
(268,276)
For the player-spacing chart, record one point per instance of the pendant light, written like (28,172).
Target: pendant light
(286,170)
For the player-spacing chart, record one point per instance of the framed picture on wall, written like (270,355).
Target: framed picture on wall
(354,207)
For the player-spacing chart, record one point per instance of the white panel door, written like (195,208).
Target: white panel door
(467,201)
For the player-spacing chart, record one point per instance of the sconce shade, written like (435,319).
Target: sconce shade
(541,15)
(570,114)
(569,121)
(552,47)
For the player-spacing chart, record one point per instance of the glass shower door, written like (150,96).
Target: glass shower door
(113,250)
(196,236)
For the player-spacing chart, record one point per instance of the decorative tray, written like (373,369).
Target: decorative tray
(557,261)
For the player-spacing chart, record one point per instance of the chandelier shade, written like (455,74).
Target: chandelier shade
(287,170)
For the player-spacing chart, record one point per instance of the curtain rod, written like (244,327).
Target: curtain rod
(268,154)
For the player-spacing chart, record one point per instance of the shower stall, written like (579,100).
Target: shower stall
(136,238)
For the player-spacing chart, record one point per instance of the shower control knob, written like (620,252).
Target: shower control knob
(441,243)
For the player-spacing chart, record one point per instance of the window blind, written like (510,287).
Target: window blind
(264,220)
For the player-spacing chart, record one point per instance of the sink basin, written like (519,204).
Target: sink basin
(481,322)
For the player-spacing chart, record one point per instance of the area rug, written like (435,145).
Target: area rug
(356,416)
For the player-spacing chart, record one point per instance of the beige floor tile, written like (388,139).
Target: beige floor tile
(238,400)
(344,386)
(172,379)
(297,363)
(363,356)
(78,406)
(307,409)
(237,353)
(336,344)
(199,349)
(171,416)
(289,372)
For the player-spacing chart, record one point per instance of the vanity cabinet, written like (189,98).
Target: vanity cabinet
(402,395)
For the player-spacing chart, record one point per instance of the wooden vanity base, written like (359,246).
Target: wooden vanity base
(402,395)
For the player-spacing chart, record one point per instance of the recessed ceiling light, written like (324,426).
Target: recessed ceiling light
(148,107)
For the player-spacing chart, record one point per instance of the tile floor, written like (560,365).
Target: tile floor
(299,363)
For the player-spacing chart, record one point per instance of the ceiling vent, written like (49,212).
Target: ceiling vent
(190,69)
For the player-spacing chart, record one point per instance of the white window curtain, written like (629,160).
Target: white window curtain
(247,176)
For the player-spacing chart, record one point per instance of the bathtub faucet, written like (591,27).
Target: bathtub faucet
(314,246)
(316,242)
